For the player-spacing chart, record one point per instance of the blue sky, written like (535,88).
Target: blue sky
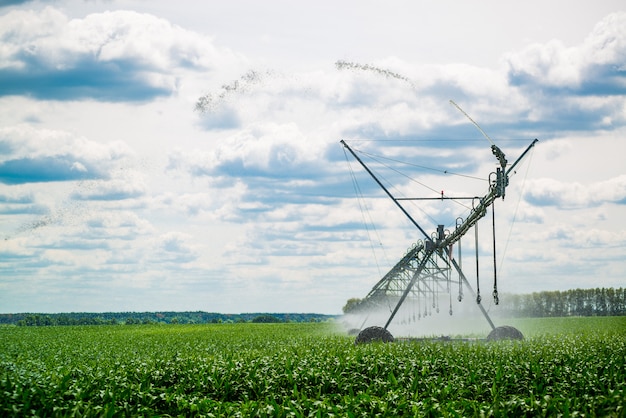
(160,155)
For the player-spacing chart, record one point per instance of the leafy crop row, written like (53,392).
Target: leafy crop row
(303,370)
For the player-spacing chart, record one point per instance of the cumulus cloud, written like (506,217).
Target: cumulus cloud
(264,156)
(125,225)
(583,68)
(116,189)
(41,155)
(574,88)
(571,195)
(16,198)
(111,56)
(15,203)
(42,169)
(174,247)
(191,203)
(530,214)
(12,2)
(570,236)
(265,150)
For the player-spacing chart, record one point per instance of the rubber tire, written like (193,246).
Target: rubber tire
(505,332)
(374,334)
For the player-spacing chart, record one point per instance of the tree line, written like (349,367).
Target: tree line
(576,302)
(138,318)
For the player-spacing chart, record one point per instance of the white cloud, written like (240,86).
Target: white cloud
(115,55)
(552,62)
(254,196)
(568,195)
(121,224)
(24,141)
(556,65)
(267,150)
(43,155)
(117,189)
(174,247)
(606,44)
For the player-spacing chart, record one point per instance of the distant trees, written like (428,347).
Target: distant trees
(141,318)
(575,302)
(42,320)
(265,319)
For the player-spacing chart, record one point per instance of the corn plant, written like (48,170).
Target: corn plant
(311,370)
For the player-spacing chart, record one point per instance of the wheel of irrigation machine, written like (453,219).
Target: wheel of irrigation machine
(372,334)
(505,332)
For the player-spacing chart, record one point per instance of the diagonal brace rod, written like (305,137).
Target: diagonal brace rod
(418,271)
(482,309)
(385,189)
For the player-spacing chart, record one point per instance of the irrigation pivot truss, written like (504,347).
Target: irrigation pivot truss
(426,269)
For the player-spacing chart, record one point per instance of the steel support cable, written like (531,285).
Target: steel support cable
(480,211)
(385,190)
(519,199)
(506,244)
(377,159)
(508,239)
(433,220)
(382,157)
(476,213)
(452,238)
(468,139)
(359,193)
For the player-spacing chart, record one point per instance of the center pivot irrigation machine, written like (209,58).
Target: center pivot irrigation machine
(425,271)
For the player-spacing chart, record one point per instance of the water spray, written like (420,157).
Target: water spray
(345,65)
(453,103)
(426,267)
(210,102)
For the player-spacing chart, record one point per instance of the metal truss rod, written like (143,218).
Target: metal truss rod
(438,198)
(521,156)
(479,211)
(385,189)
(482,309)
(418,271)
(399,267)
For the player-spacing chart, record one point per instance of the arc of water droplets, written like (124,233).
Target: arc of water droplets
(345,65)
(211,101)
(69,210)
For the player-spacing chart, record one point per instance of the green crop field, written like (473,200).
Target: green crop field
(566,366)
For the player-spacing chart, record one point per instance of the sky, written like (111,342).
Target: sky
(184,156)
